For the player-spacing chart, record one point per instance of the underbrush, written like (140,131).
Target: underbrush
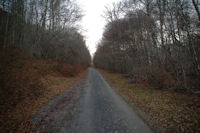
(26,84)
(158,77)
(166,111)
(71,69)
(162,79)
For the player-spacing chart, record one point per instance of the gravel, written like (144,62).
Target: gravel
(94,108)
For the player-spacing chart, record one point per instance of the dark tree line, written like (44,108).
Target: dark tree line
(156,41)
(43,28)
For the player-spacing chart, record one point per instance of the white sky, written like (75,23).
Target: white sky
(93,22)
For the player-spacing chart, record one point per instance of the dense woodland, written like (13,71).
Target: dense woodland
(153,41)
(42,53)
(43,29)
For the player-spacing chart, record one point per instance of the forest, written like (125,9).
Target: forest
(146,66)
(42,53)
(153,41)
(43,29)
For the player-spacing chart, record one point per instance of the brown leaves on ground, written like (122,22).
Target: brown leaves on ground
(174,112)
(26,85)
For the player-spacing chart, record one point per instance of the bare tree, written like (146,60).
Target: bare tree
(44,28)
(196,6)
(153,35)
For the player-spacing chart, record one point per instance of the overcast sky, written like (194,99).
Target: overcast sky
(93,22)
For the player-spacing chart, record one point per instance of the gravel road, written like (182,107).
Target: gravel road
(96,108)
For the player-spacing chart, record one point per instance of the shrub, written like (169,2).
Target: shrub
(71,69)
(157,77)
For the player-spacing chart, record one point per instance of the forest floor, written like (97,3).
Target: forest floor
(165,111)
(26,85)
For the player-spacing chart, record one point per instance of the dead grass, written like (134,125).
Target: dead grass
(55,85)
(26,85)
(174,112)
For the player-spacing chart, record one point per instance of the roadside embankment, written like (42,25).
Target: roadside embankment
(166,111)
(27,84)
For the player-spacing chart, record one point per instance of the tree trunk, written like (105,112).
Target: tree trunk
(195,4)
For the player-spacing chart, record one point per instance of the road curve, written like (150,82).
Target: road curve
(99,110)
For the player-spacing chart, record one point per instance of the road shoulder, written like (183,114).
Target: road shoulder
(152,124)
